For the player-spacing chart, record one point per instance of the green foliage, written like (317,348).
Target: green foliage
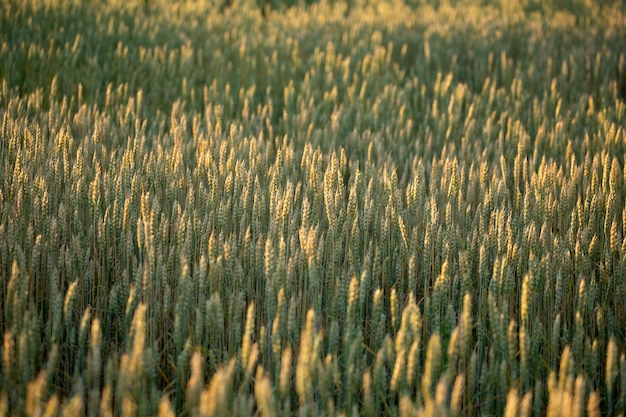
(317,208)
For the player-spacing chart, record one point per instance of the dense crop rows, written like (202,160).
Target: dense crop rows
(373,208)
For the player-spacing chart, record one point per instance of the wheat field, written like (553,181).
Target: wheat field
(346,208)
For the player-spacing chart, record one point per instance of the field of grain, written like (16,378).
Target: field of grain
(314,208)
